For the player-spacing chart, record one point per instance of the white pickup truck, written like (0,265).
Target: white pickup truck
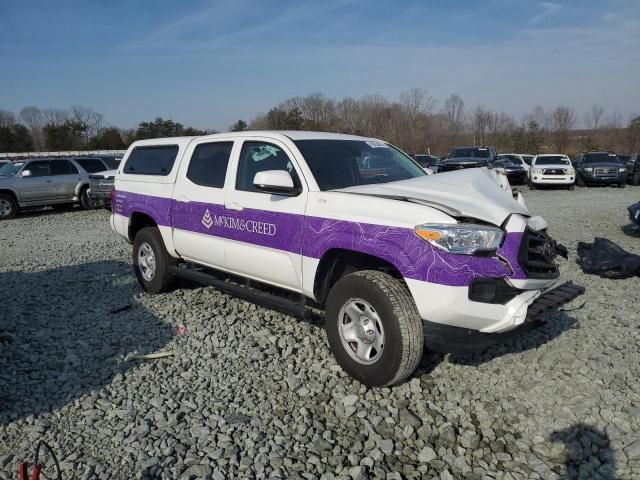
(353,226)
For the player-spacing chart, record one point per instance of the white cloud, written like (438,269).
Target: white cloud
(548,9)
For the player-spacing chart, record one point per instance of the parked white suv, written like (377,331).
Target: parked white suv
(552,169)
(396,258)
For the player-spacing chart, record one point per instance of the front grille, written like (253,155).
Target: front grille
(536,255)
(101,185)
(605,171)
(553,171)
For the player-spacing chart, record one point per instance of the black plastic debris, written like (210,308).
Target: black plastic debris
(608,260)
(634,213)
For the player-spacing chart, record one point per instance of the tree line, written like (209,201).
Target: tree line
(414,122)
(77,128)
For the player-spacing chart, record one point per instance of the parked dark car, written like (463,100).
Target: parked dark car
(633,169)
(600,168)
(468,157)
(428,161)
(516,173)
(112,161)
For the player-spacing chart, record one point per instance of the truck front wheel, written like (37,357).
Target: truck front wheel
(151,261)
(374,328)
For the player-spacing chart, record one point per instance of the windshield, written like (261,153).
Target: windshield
(600,157)
(470,152)
(112,163)
(505,162)
(10,169)
(347,163)
(554,160)
(527,159)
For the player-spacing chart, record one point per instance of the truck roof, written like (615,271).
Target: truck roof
(292,134)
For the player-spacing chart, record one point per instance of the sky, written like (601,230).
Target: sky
(208,63)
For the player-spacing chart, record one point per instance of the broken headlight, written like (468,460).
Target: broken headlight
(465,239)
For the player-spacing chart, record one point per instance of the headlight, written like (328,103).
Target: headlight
(570,171)
(588,169)
(465,239)
(537,171)
(623,169)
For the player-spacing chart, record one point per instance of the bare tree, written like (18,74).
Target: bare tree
(593,117)
(89,121)
(416,104)
(34,120)
(561,122)
(55,116)
(453,117)
(7,118)
(481,120)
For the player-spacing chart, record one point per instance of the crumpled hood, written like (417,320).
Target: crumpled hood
(473,192)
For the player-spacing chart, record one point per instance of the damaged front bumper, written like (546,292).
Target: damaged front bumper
(454,339)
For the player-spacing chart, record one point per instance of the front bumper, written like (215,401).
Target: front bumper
(553,179)
(456,339)
(604,179)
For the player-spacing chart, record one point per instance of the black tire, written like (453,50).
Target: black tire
(571,187)
(85,201)
(161,281)
(635,180)
(622,185)
(580,182)
(401,322)
(532,186)
(8,207)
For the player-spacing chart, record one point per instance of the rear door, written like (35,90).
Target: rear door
(66,178)
(264,230)
(198,202)
(38,188)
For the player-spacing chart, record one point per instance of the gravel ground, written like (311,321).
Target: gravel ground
(251,393)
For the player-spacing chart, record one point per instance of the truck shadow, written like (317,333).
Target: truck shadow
(64,332)
(529,337)
(587,453)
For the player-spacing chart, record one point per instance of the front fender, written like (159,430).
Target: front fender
(413,257)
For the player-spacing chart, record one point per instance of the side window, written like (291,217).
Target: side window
(41,168)
(91,165)
(208,165)
(152,160)
(63,167)
(258,157)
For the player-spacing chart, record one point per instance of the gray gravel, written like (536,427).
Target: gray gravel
(251,393)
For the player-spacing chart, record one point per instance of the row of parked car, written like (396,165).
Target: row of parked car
(587,168)
(56,182)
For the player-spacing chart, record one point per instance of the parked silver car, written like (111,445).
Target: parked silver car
(41,182)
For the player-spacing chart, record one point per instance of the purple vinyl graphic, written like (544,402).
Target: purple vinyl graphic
(314,236)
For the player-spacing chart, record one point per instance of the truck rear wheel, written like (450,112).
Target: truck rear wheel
(8,207)
(151,261)
(374,328)
(85,200)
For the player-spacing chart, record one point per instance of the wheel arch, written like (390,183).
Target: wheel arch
(335,263)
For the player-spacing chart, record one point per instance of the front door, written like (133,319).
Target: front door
(264,231)
(39,187)
(198,203)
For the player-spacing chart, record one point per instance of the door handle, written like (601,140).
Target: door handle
(235,206)
(182,199)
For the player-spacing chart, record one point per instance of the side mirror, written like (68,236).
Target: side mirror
(276,182)
(26,173)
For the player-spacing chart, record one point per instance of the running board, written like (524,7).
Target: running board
(265,299)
